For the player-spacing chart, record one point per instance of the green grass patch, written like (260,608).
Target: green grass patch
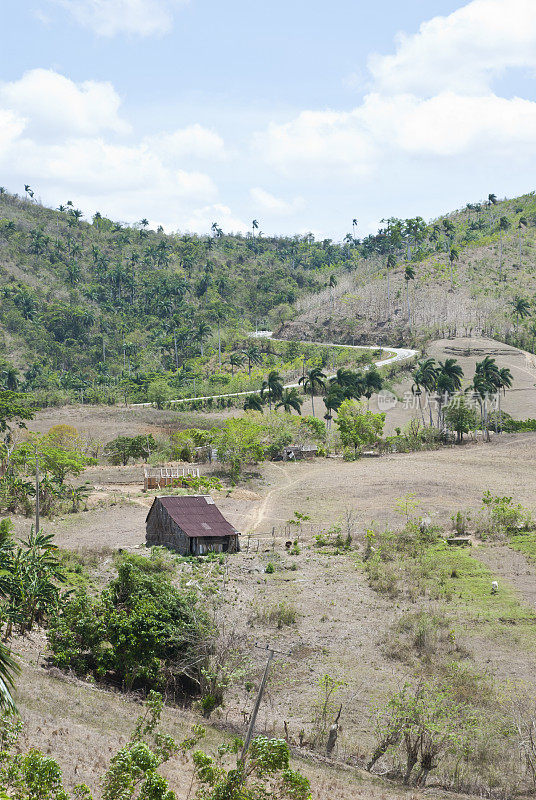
(524,543)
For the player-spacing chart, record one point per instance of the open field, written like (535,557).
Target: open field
(342,626)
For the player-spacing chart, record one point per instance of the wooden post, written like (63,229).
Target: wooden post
(36,493)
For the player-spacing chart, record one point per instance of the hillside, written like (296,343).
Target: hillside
(456,276)
(86,308)
(82,304)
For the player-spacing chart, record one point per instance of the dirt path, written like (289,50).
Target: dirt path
(511,567)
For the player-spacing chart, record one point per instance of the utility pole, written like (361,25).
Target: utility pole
(251,728)
(36,493)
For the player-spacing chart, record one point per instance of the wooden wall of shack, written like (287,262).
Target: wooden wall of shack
(163,531)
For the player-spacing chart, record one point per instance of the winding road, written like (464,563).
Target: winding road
(400,354)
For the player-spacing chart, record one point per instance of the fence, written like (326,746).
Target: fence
(167,476)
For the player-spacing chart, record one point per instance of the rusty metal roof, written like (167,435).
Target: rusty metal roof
(196,515)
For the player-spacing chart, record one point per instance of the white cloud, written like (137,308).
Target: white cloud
(319,141)
(431,98)
(11,127)
(194,140)
(57,106)
(111,17)
(202,218)
(461,51)
(128,179)
(275,205)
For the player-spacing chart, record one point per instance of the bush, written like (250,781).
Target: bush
(141,632)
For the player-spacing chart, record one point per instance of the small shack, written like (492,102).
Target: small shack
(191,525)
(298,452)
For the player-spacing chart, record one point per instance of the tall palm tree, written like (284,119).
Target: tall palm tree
(425,377)
(254,227)
(290,399)
(253,355)
(391,264)
(236,360)
(504,224)
(449,380)
(492,200)
(453,256)
(273,386)
(201,333)
(487,379)
(253,403)
(521,307)
(504,382)
(372,382)
(409,275)
(312,380)
(354,226)
(521,225)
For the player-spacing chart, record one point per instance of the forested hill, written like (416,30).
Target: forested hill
(80,299)
(86,304)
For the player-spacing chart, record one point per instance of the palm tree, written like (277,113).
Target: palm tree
(354,226)
(391,264)
(492,200)
(202,331)
(290,399)
(453,256)
(253,403)
(10,375)
(253,355)
(273,386)
(254,227)
(312,380)
(504,224)
(236,360)
(521,307)
(425,377)
(409,275)
(521,225)
(332,402)
(449,380)
(504,381)
(372,382)
(486,383)
(533,332)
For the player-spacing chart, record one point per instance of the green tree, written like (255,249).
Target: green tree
(157,636)
(272,387)
(313,380)
(290,399)
(460,417)
(358,427)
(235,361)
(521,308)
(159,393)
(425,377)
(253,355)
(409,275)
(449,380)
(453,256)
(253,402)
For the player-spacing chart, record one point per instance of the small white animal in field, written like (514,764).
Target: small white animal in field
(494,587)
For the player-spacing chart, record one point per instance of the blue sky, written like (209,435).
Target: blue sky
(303,115)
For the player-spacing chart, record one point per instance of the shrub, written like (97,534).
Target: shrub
(139,632)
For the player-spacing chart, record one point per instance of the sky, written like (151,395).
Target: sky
(301,115)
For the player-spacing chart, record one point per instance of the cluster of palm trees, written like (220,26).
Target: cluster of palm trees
(273,391)
(442,380)
(350,385)
(345,385)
